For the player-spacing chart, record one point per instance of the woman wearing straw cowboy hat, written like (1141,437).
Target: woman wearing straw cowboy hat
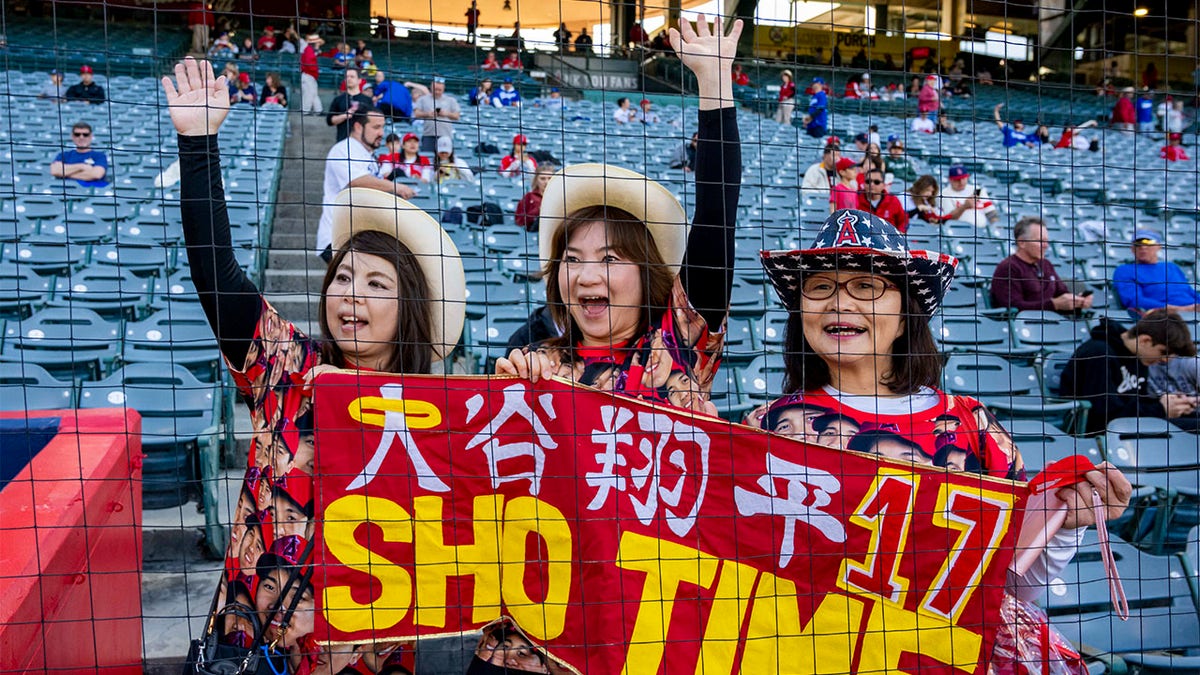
(859,346)
(641,300)
(392,299)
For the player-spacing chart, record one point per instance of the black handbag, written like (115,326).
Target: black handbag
(208,656)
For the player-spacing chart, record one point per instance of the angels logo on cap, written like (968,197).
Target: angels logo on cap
(857,241)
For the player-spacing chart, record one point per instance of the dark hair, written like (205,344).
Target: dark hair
(360,115)
(920,365)
(771,420)
(280,491)
(414,332)
(1168,329)
(81,125)
(631,240)
(920,184)
(622,100)
(391,138)
(1024,225)
(829,419)
(353,69)
(970,463)
(865,441)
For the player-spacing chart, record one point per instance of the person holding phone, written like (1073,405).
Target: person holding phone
(1026,280)
(973,202)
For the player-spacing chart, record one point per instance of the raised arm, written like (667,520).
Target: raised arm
(198,104)
(996,115)
(707,273)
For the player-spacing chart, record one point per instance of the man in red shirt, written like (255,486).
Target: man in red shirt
(266,41)
(310,99)
(1173,151)
(472,15)
(1123,115)
(874,198)
(740,78)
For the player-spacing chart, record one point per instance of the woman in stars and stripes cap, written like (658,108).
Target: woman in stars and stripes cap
(859,348)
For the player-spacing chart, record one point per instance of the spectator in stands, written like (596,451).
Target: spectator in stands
(291,43)
(247,52)
(1111,371)
(86,166)
(274,91)
(974,204)
(1173,151)
(859,151)
(449,167)
(222,48)
(638,37)
(530,205)
(854,88)
(310,99)
(481,94)
(1149,283)
(231,71)
(817,121)
(1172,116)
(740,77)
(898,162)
(684,156)
(515,39)
(1014,134)
(342,108)
(928,99)
(392,98)
(646,115)
(1123,114)
(85,89)
(562,38)
(624,114)
(200,21)
(267,41)
(1026,280)
(404,159)
(512,61)
(439,113)
(490,62)
(583,43)
(472,15)
(507,95)
(874,199)
(344,57)
(1042,134)
(54,90)
(787,98)
(844,195)
(242,90)
(552,101)
(820,178)
(1145,111)
(921,201)
(922,124)
(350,163)
(641,297)
(391,301)
(518,162)
(1071,139)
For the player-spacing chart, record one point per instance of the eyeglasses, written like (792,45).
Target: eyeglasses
(860,288)
(81,133)
(875,182)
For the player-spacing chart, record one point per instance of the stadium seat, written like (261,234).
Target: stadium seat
(1009,390)
(1049,331)
(27,386)
(66,341)
(1153,452)
(488,337)
(21,290)
(142,259)
(111,292)
(46,254)
(1042,443)
(969,332)
(179,335)
(761,380)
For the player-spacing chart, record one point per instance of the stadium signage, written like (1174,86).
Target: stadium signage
(626,537)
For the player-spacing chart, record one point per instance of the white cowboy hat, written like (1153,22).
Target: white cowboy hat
(363,209)
(582,185)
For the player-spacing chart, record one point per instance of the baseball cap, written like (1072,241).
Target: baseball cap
(959,171)
(644,101)
(553,90)
(845,163)
(269,29)
(861,138)
(445,144)
(85,69)
(1147,238)
(508,80)
(410,136)
(520,139)
(439,80)
(56,71)
(892,138)
(818,80)
(1175,136)
(244,77)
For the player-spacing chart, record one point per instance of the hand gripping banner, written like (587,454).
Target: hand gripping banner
(624,537)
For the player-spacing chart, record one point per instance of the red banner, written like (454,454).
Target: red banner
(625,537)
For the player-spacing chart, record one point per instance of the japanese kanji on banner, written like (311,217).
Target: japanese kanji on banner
(624,537)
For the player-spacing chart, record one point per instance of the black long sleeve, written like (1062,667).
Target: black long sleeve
(230,300)
(707,273)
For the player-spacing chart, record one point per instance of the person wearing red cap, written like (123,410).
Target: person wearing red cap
(517,162)
(403,159)
(266,41)
(1173,151)
(242,90)
(86,89)
(844,195)
(645,115)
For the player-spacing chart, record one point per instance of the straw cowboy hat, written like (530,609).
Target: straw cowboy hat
(362,209)
(582,185)
(857,241)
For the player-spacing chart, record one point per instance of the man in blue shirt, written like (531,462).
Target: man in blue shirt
(88,167)
(506,95)
(818,110)
(392,98)
(1014,134)
(1145,111)
(1148,283)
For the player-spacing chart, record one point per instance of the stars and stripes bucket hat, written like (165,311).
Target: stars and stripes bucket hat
(857,241)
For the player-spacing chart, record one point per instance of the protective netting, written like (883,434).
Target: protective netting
(960,238)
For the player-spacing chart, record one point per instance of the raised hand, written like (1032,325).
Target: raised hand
(709,55)
(198,100)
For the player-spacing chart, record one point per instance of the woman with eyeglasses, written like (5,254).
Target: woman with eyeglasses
(859,347)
